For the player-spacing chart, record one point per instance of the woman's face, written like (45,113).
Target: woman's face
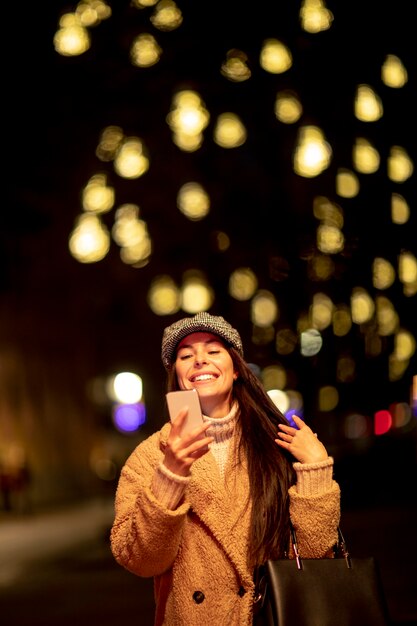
(204,363)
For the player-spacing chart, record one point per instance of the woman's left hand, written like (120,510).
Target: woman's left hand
(301,442)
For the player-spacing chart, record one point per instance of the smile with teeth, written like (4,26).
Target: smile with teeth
(203,377)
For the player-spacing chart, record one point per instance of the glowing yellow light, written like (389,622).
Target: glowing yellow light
(312,154)
(275,57)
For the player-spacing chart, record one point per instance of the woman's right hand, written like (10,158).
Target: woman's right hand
(182,451)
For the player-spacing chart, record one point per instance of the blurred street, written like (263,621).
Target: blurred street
(57,569)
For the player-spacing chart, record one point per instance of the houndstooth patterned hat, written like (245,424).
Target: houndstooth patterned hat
(201,322)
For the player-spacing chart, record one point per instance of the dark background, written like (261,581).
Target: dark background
(64,325)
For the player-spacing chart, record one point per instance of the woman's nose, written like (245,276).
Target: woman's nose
(200,358)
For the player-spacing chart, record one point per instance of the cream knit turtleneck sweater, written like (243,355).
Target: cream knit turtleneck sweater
(222,429)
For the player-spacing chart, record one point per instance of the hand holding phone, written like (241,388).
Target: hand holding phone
(178,400)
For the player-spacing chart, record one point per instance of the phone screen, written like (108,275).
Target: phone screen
(177,400)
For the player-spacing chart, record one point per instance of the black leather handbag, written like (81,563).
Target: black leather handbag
(340,591)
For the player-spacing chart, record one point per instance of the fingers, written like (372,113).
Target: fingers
(182,450)
(180,457)
(285,429)
(284,437)
(179,420)
(301,442)
(182,435)
(198,448)
(190,441)
(300,423)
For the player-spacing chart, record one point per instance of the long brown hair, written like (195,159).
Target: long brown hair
(270,468)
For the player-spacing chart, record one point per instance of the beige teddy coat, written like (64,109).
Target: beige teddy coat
(197,553)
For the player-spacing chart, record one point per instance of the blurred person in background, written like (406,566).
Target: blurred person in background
(199,512)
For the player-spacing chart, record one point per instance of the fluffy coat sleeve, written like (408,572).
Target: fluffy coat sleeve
(145,536)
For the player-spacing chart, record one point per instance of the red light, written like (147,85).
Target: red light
(382,422)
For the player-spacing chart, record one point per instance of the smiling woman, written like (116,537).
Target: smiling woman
(198,510)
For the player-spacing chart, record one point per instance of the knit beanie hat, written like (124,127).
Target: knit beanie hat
(202,322)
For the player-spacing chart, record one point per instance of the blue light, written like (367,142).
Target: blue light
(289,415)
(129,417)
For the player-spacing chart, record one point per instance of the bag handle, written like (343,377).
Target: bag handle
(295,546)
(340,547)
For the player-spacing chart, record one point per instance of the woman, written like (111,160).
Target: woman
(200,513)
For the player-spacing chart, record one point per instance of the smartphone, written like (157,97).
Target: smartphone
(177,400)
